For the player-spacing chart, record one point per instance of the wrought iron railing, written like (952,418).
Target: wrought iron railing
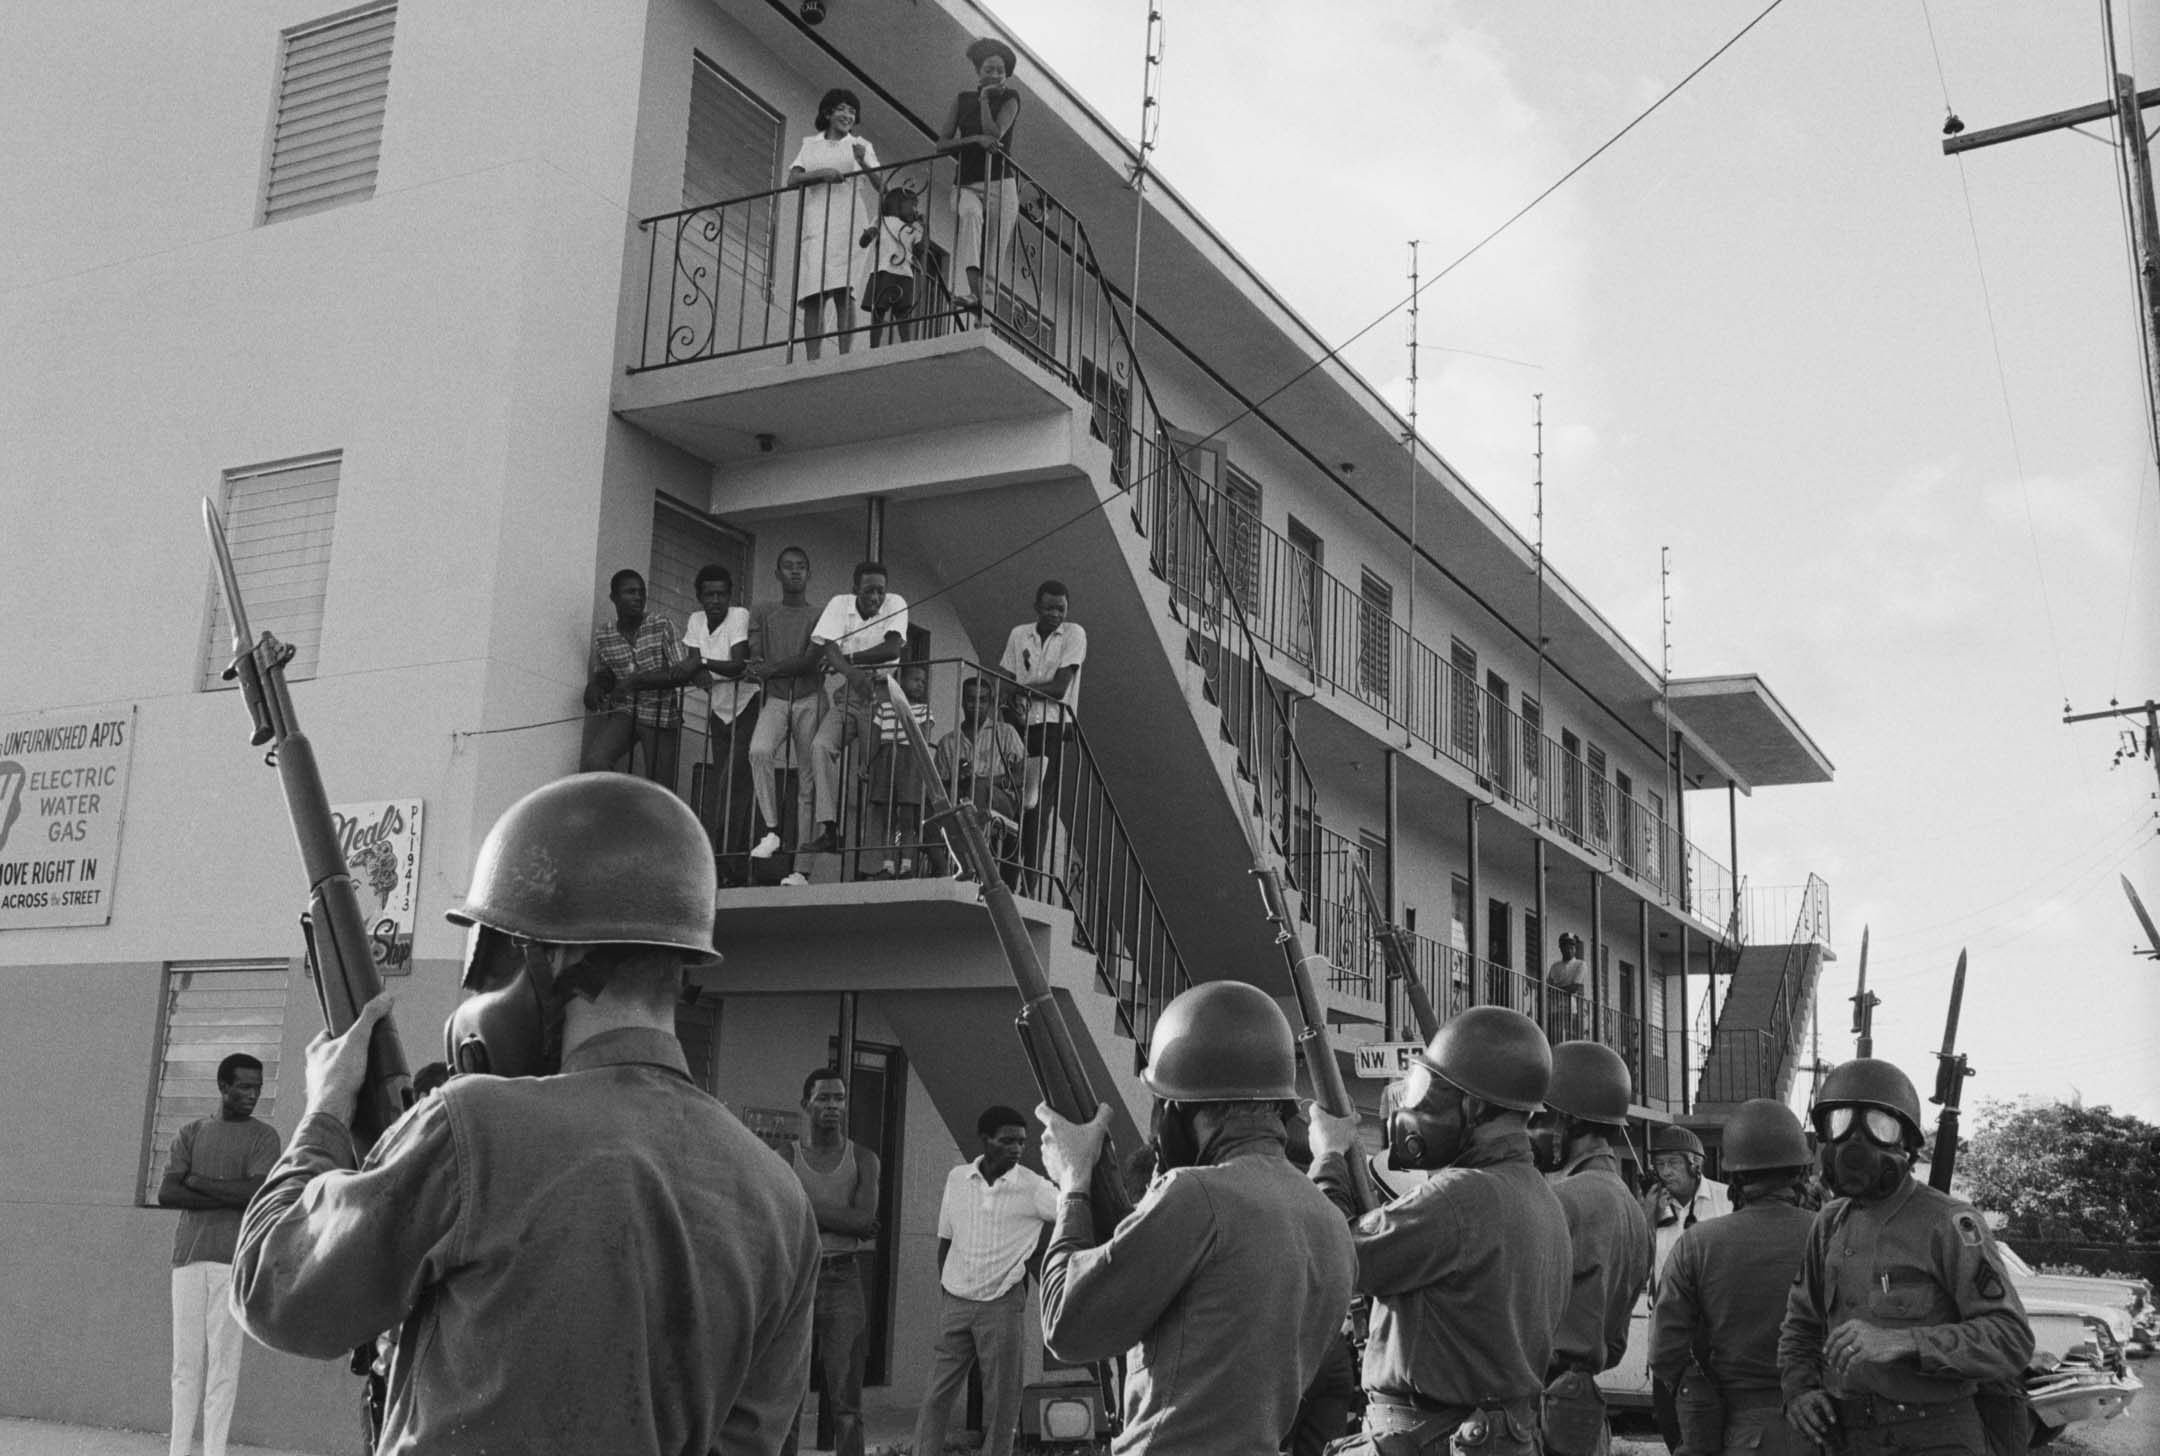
(1054,820)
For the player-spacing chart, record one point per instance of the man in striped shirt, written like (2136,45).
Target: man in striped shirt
(991,1229)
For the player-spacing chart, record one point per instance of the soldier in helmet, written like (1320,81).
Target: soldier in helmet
(577,1248)
(1586,1105)
(1468,1272)
(1714,1335)
(1901,1309)
(1228,1282)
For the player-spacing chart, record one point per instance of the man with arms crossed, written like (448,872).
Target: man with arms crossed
(217,1164)
(841,1177)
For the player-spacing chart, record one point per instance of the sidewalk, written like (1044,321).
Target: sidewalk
(49,1438)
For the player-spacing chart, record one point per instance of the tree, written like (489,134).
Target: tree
(2059,1170)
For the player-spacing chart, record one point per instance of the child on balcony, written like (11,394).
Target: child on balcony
(895,242)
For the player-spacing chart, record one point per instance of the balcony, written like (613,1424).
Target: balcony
(894,880)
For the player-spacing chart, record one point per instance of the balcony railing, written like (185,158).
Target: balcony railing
(1054,822)
(1751,1061)
(724,279)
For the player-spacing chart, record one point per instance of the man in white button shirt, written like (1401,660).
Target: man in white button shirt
(866,629)
(991,1229)
(1044,656)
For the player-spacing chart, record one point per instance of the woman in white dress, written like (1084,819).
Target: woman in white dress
(838,202)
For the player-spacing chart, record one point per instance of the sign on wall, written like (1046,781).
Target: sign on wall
(381,843)
(63,792)
(1384,1061)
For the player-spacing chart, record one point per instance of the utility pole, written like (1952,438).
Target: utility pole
(2150,708)
(1410,439)
(2127,107)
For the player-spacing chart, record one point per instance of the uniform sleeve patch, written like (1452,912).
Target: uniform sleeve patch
(1988,1280)
(1968,1228)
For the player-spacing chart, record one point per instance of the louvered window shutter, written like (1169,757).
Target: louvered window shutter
(210,1012)
(278,521)
(733,152)
(332,89)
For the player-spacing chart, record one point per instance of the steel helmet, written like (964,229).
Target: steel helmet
(1495,1054)
(596,859)
(1870,1082)
(1590,1083)
(1674,1138)
(1224,1041)
(1763,1134)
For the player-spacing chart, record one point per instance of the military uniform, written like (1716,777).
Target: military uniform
(1610,1238)
(1918,1261)
(1227,1285)
(1469,1278)
(1721,1305)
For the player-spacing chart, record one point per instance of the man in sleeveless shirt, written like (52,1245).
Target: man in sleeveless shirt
(841,1178)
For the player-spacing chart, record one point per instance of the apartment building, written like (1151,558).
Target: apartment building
(457,310)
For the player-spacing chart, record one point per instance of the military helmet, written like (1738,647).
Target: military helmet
(1590,1083)
(1224,1041)
(1495,1054)
(596,859)
(1763,1134)
(1674,1138)
(1870,1082)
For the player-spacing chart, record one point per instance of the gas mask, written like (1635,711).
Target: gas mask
(1176,1141)
(1864,1152)
(1431,1124)
(510,1024)
(1548,1140)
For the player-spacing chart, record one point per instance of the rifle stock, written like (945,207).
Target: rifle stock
(1052,1053)
(340,959)
(1395,957)
(1330,1091)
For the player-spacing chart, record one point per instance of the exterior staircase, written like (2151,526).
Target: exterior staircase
(1755,1048)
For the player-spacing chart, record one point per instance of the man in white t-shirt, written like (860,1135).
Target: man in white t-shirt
(992,1226)
(864,630)
(1044,656)
(718,637)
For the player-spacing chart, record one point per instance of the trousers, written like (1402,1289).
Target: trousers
(840,1323)
(795,724)
(207,1342)
(985,1332)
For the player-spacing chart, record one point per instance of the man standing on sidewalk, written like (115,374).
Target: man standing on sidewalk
(217,1164)
(991,1227)
(841,1178)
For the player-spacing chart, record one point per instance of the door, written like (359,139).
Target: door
(1499,954)
(877,1118)
(1499,740)
(1304,626)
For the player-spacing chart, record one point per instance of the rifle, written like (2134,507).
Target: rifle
(1052,1054)
(1395,956)
(1863,1007)
(1330,1091)
(339,958)
(1950,1073)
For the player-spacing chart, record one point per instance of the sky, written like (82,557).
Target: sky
(1884,406)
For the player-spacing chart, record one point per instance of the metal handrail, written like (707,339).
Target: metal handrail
(1068,847)
(1744,1062)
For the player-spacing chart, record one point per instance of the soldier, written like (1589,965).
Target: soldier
(583,1252)
(1589,1097)
(1901,1309)
(1228,1282)
(1468,1271)
(1714,1336)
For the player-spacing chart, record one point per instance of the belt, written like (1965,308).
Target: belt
(1410,1400)
(1877,1410)
(1747,1400)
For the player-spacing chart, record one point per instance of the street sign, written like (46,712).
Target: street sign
(1384,1061)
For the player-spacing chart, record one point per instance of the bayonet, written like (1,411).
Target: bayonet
(1952,1068)
(2137,906)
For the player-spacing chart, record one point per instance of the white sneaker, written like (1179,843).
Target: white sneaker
(798,878)
(766,847)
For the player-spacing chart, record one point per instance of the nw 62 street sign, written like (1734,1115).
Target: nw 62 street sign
(1384,1061)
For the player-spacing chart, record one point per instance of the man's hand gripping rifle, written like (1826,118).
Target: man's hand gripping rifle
(339,957)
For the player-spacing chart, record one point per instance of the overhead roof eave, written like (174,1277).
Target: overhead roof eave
(1738,722)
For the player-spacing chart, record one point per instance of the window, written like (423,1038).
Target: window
(1600,799)
(326,139)
(278,521)
(1533,753)
(1305,558)
(1110,417)
(1462,696)
(684,541)
(1499,757)
(210,1012)
(732,155)
(1571,783)
(1624,815)
(1376,626)
(1237,535)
